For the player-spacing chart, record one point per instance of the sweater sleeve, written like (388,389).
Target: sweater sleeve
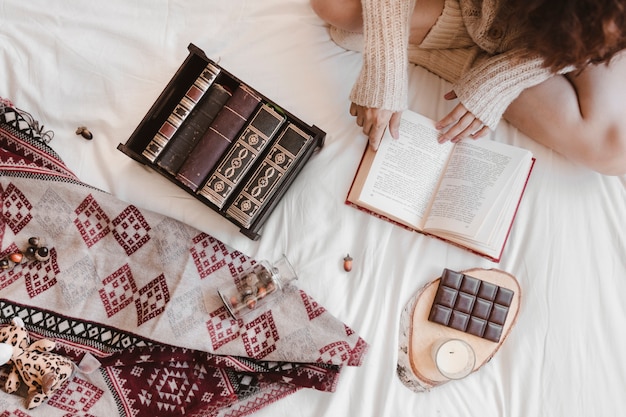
(383,80)
(494,81)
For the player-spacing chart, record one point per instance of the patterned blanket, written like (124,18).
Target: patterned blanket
(138,291)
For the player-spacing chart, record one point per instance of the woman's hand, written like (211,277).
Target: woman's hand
(460,123)
(375,121)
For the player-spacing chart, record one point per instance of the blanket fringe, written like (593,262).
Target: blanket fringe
(24,122)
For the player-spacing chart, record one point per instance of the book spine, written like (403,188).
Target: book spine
(242,155)
(198,122)
(269,175)
(193,95)
(224,129)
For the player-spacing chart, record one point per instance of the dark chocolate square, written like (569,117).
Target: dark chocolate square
(482,308)
(498,314)
(446,296)
(459,320)
(465,303)
(487,291)
(493,332)
(504,297)
(451,279)
(470,285)
(477,326)
(440,314)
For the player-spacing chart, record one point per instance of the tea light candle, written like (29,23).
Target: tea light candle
(454,358)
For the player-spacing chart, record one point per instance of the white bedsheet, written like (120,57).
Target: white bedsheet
(102,64)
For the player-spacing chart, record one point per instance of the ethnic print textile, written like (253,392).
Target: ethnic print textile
(138,291)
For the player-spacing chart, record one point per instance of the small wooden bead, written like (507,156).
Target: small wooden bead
(4,263)
(34,241)
(16,257)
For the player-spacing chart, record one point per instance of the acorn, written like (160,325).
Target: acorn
(84,132)
(347,263)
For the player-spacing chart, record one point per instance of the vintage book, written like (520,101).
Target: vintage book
(211,154)
(267,178)
(193,95)
(465,193)
(242,155)
(198,122)
(216,141)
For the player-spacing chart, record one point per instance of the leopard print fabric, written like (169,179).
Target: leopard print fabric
(41,370)
(15,336)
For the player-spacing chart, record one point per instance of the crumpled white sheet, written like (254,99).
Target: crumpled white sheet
(102,64)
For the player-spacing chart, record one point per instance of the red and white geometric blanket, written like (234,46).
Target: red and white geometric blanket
(137,290)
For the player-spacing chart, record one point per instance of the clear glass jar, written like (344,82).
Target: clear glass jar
(255,287)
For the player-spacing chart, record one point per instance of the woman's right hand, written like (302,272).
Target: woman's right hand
(375,121)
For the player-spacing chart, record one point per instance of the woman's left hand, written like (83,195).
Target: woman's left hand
(460,123)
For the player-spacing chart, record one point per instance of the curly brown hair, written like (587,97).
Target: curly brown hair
(572,32)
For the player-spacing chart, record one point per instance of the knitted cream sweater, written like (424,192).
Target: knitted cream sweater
(382,82)
(487,74)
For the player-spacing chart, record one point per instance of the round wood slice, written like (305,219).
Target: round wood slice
(424,334)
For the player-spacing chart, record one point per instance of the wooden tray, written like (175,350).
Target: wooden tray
(423,334)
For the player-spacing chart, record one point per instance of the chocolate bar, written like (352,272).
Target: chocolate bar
(269,175)
(193,95)
(242,155)
(471,305)
(190,133)
(216,141)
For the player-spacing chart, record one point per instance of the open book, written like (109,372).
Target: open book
(465,193)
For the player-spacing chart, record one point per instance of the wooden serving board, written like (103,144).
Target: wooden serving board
(424,333)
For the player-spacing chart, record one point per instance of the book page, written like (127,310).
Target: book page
(482,177)
(404,172)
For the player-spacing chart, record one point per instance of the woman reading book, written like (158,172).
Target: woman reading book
(555,69)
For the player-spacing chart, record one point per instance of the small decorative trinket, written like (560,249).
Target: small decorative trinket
(347,263)
(84,132)
(42,254)
(35,251)
(16,257)
(256,286)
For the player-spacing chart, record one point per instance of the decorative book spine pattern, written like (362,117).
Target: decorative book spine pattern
(242,155)
(269,175)
(198,122)
(193,95)
(209,150)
